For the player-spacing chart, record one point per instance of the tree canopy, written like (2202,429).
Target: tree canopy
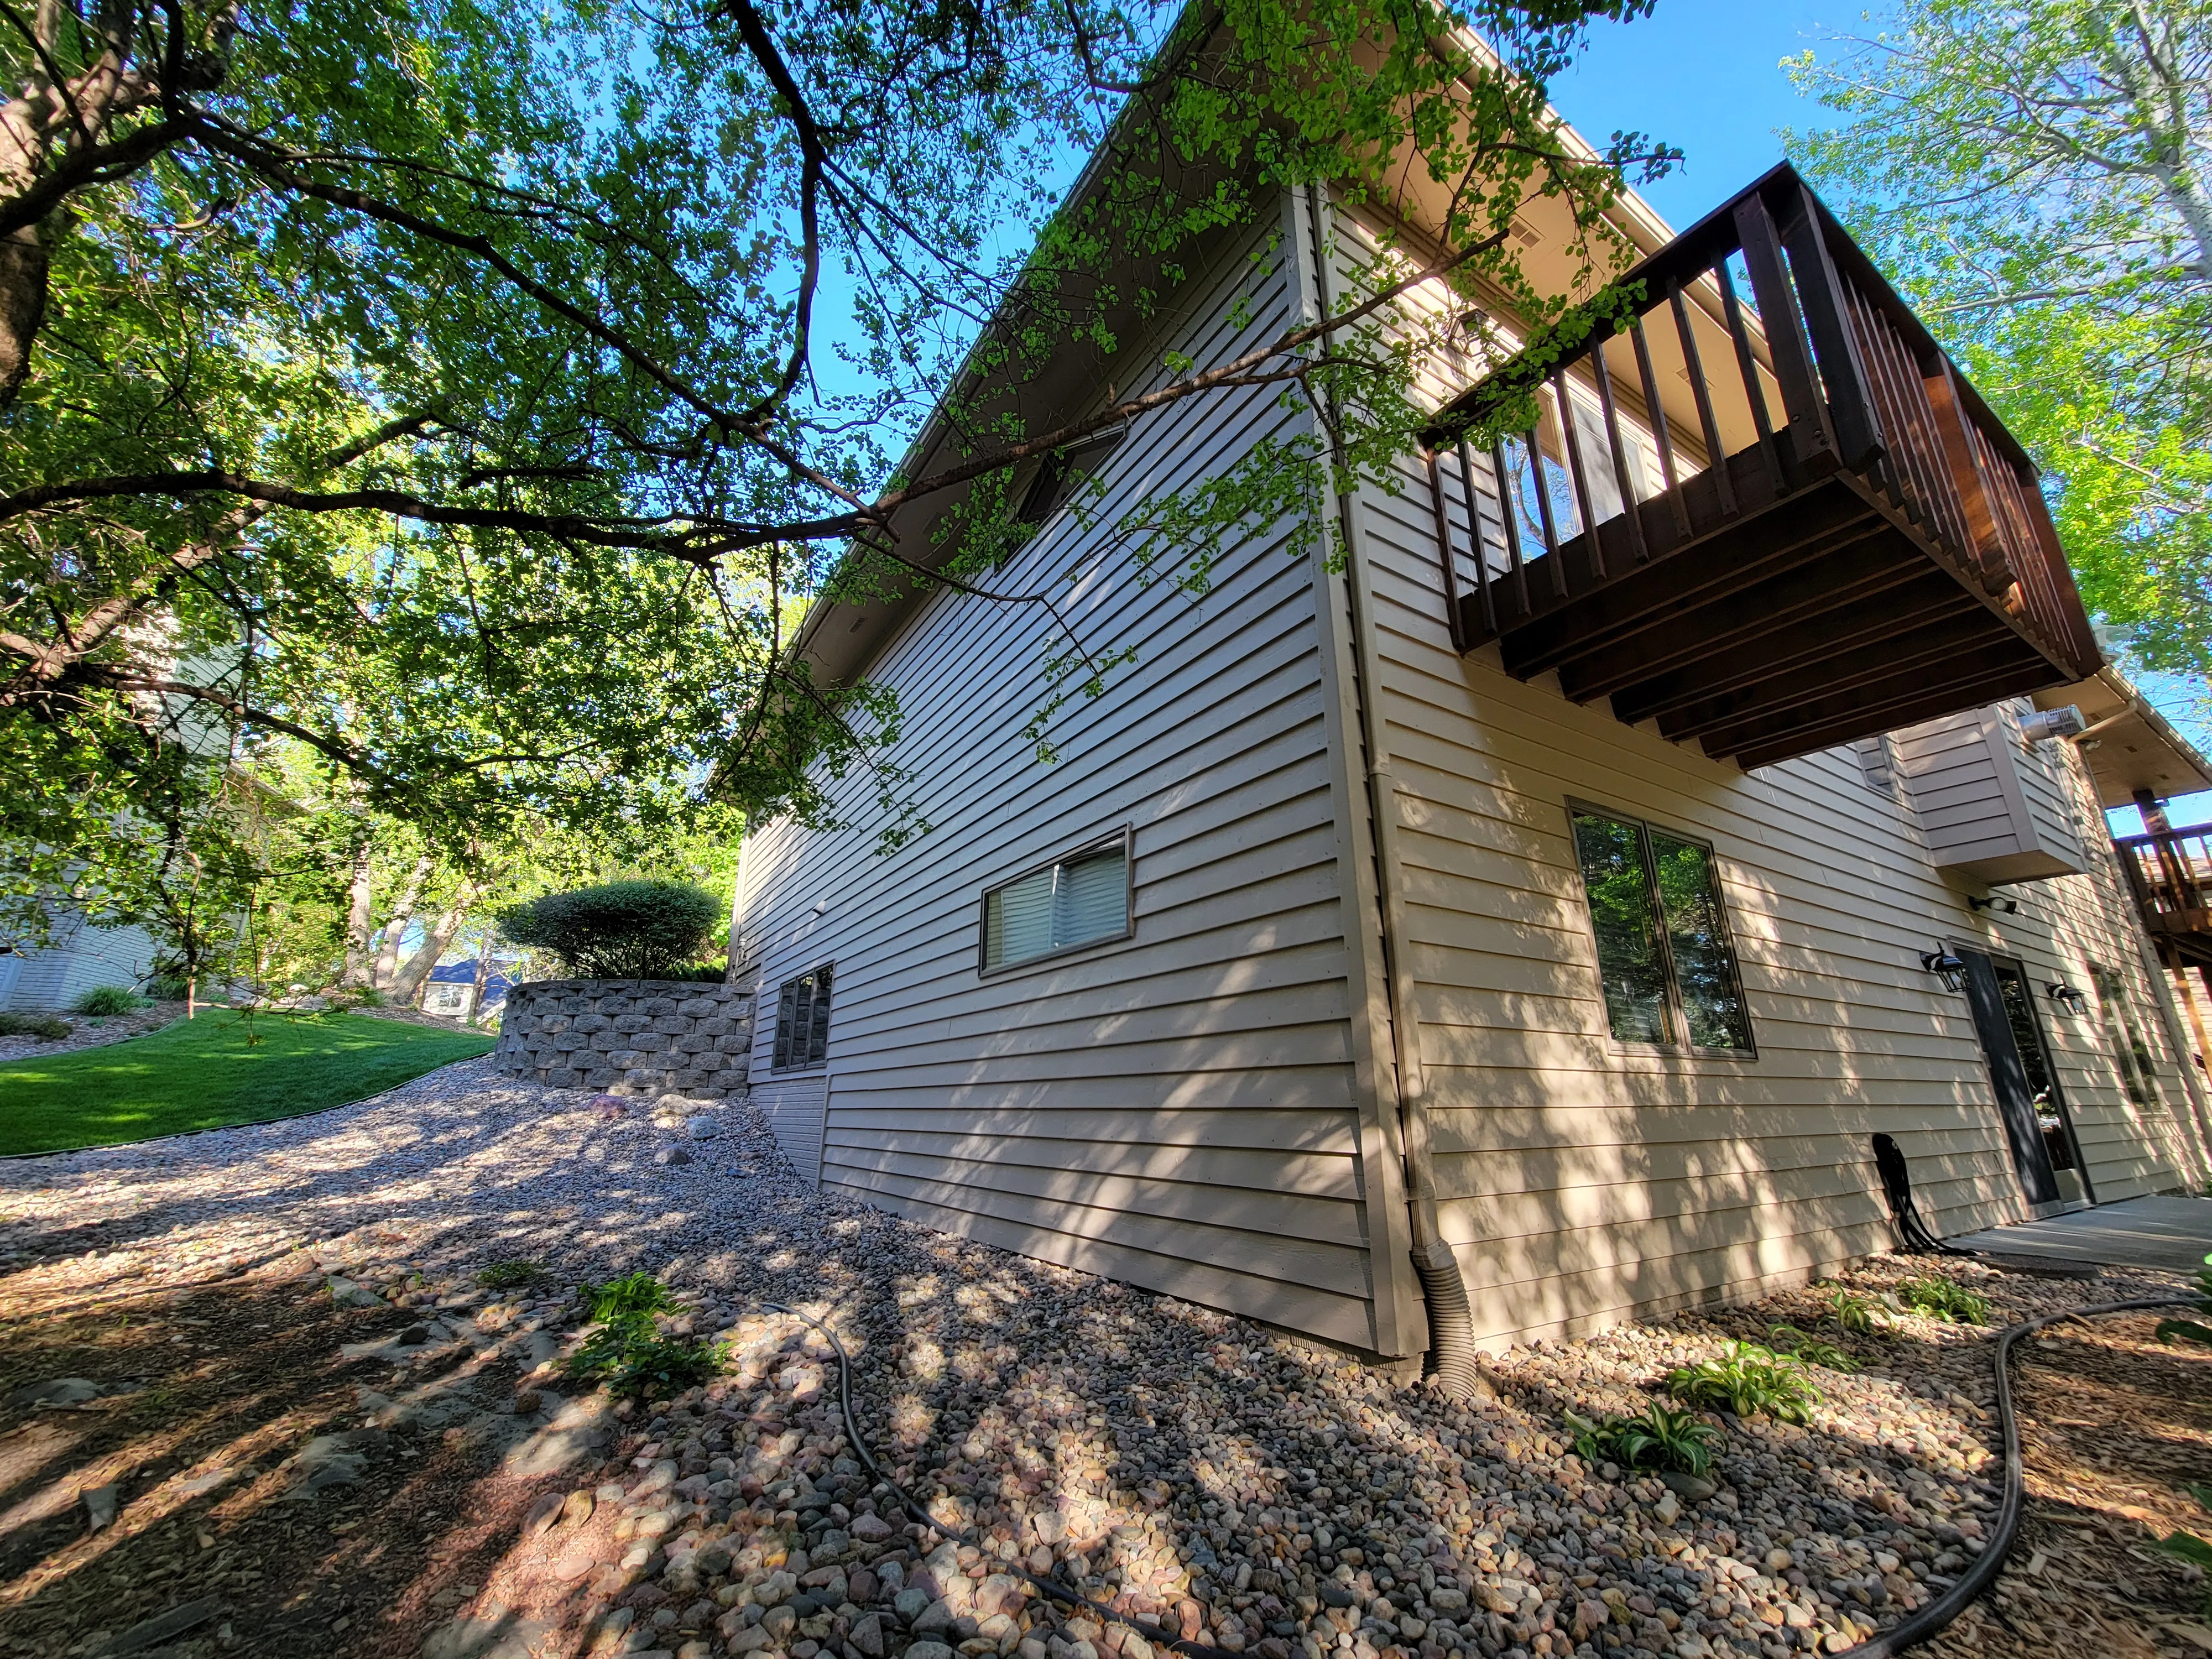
(469,400)
(2038,176)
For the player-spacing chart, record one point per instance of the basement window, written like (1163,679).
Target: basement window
(802,1021)
(1080,898)
(1664,959)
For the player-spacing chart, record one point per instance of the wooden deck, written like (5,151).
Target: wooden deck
(1769,527)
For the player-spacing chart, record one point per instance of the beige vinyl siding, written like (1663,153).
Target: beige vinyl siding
(1177,1109)
(1582,1182)
(1990,805)
(2064,926)
(1962,805)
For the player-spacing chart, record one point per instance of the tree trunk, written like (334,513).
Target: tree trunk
(483,974)
(360,894)
(407,984)
(410,898)
(22,307)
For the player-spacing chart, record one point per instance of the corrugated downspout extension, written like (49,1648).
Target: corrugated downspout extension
(1450,1361)
(1451,1322)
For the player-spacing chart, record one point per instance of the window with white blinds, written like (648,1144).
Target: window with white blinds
(1080,899)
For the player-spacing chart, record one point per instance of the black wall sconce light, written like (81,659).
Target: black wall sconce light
(1998,903)
(1945,963)
(2067,997)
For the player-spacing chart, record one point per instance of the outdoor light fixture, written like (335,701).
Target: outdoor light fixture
(1945,963)
(2008,907)
(2067,997)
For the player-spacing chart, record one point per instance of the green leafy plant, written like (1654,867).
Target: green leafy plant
(51,1028)
(1852,1312)
(2187,1546)
(619,929)
(1944,1298)
(630,1297)
(1659,1439)
(512,1275)
(629,1353)
(635,1360)
(1748,1380)
(1813,1350)
(104,999)
(2190,1330)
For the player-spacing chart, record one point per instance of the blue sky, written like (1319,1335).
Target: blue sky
(1705,76)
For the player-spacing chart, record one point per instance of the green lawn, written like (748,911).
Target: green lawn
(202,1074)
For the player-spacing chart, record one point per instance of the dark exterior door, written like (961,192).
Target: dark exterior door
(2008,1075)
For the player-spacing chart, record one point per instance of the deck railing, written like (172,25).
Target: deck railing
(1709,406)
(2170,872)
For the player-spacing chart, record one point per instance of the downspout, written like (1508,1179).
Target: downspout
(1451,1320)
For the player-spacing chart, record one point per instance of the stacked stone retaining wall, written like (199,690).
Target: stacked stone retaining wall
(628,1036)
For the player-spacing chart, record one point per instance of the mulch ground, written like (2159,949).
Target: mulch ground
(234,1374)
(2114,1428)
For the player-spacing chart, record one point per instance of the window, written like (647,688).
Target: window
(1065,471)
(1663,956)
(1080,898)
(2123,1036)
(802,1021)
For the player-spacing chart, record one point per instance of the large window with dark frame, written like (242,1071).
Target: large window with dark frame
(802,1021)
(1663,955)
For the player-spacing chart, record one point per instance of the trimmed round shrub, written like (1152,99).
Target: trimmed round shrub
(619,930)
(109,999)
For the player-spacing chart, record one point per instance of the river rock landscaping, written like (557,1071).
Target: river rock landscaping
(260,1399)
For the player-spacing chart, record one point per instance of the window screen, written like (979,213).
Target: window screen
(1078,900)
(1664,960)
(802,1020)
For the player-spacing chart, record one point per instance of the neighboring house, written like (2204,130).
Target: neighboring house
(1585,908)
(82,957)
(451,990)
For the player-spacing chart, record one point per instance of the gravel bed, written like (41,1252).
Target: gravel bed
(91,1031)
(1250,1489)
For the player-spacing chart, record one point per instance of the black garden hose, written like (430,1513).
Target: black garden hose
(1985,1566)
(1058,1592)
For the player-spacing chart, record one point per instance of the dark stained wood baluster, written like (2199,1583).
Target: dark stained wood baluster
(1577,474)
(1610,416)
(1544,518)
(1511,514)
(1482,577)
(1748,367)
(1455,624)
(1660,435)
(1709,427)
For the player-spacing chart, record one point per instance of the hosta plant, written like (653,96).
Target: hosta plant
(1813,1350)
(1945,1299)
(1853,1312)
(1658,1440)
(1748,1380)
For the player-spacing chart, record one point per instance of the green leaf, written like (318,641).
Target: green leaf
(2187,1546)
